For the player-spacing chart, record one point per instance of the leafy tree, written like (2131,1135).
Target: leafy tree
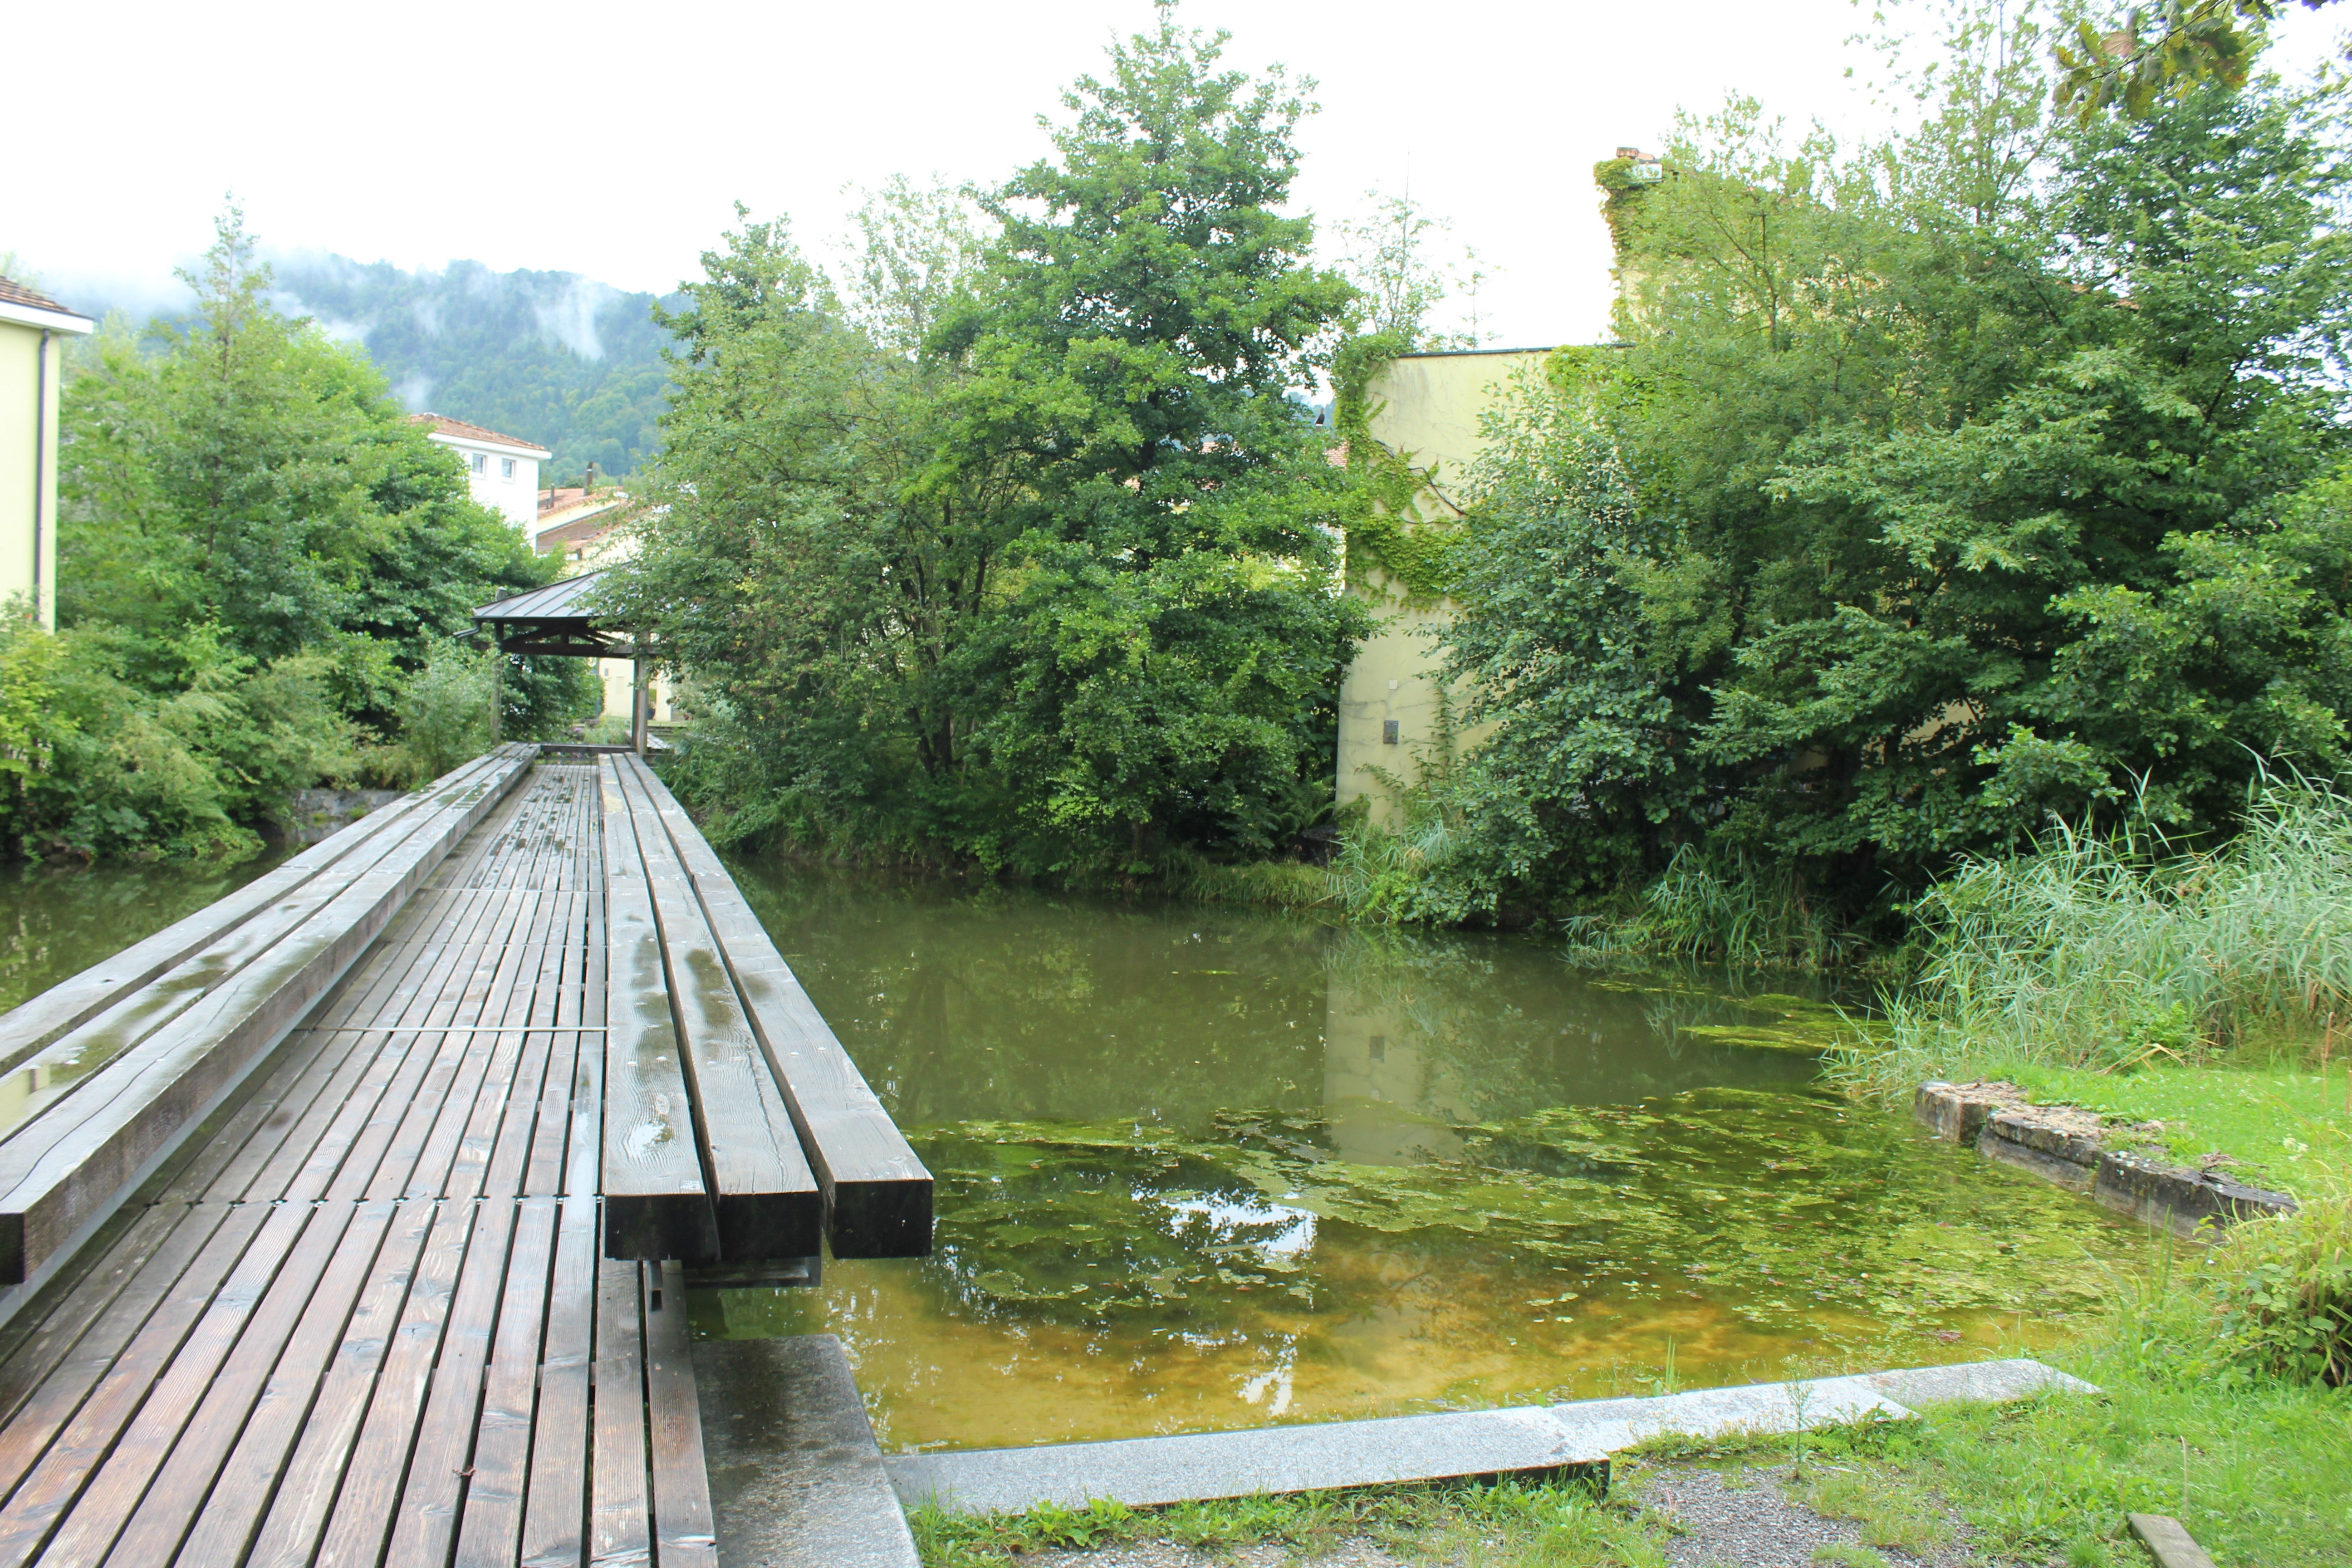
(813,556)
(1973,480)
(257,552)
(1052,586)
(1148,318)
(2160,53)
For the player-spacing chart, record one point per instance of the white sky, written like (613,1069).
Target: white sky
(609,139)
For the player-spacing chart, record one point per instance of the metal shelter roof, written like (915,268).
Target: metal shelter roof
(554,620)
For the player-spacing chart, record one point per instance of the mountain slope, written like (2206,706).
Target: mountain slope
(553,357)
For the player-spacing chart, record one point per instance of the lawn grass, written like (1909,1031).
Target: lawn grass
(1509,1524)
(2283,1123)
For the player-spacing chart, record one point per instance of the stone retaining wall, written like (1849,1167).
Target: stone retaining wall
(313,814)
(2072,1147)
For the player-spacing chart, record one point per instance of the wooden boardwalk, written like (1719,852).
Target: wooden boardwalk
(363,1316)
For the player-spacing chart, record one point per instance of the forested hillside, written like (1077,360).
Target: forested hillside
(563,360)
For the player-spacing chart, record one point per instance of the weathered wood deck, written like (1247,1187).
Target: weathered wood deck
(362,1314)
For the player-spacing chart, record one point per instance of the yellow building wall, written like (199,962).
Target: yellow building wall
(1427,408)
(26,430)
(618,675)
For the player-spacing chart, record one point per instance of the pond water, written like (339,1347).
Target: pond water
(1201,1168)
(57,920)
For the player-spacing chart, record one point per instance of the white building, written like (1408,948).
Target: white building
(501,470)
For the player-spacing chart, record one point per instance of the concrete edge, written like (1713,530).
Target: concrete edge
(1522,1440)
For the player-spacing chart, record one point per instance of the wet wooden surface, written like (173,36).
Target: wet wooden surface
(359,1317)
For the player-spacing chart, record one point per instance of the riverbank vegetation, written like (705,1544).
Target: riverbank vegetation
(1943,488)
(262,566)
(1015,546)
(1946,487)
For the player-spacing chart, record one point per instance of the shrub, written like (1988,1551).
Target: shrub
(2286,1292)
(449,713)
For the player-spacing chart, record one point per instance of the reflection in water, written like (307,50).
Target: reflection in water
(56,922)
(1202,1168)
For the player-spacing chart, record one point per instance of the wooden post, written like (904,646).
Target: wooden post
(640,702)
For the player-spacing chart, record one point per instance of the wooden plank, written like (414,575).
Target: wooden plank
(71,1003)
(425,1525)
(233,1364)
(378,1461)
(491,1531)
(311,1479)
(683,1530)
(77,1060)
(618,1518)
(262,1388)
(765,1195)
(146,1440)
(83,1157)
(39,1503)
(176,1278)
(877,1192)
(248,1476)
(555,1510)
(656,1203)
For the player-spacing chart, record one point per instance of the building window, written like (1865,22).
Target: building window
(506,469)
(1387,732)
(474,461)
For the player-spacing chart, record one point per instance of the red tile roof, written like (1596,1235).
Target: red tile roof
(444,426)
(17,294)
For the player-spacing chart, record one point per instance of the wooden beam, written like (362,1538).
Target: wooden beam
(75,1163)
(877,1192)
(42,1019)
(767,1199)
(656,1204)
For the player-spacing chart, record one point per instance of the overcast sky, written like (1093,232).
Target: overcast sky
(610,139)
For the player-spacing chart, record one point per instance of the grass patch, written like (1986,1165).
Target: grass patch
(1840,1555)
(1278,884)
(2281,1124)
(1888,1514)
(1510,1524)
(2109,954)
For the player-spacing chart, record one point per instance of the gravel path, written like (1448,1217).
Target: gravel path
(1744,1519)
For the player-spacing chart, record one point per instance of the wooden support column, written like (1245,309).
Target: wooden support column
(640,703)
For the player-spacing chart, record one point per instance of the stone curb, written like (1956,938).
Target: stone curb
(1526,1440)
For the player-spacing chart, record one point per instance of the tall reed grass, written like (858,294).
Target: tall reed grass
(1726,910)
(2108,952)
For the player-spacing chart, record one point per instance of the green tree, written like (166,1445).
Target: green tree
(257,553)
(1975,479)
(2159,53)
(813,555)
(1019,548)
(1148,318)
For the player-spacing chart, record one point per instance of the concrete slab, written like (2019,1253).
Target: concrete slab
(1145,1470)
(1613,1424)
(1986,1382)
(796,1480)
(1527,1439)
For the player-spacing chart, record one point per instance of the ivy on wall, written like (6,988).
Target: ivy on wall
(1386,532)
